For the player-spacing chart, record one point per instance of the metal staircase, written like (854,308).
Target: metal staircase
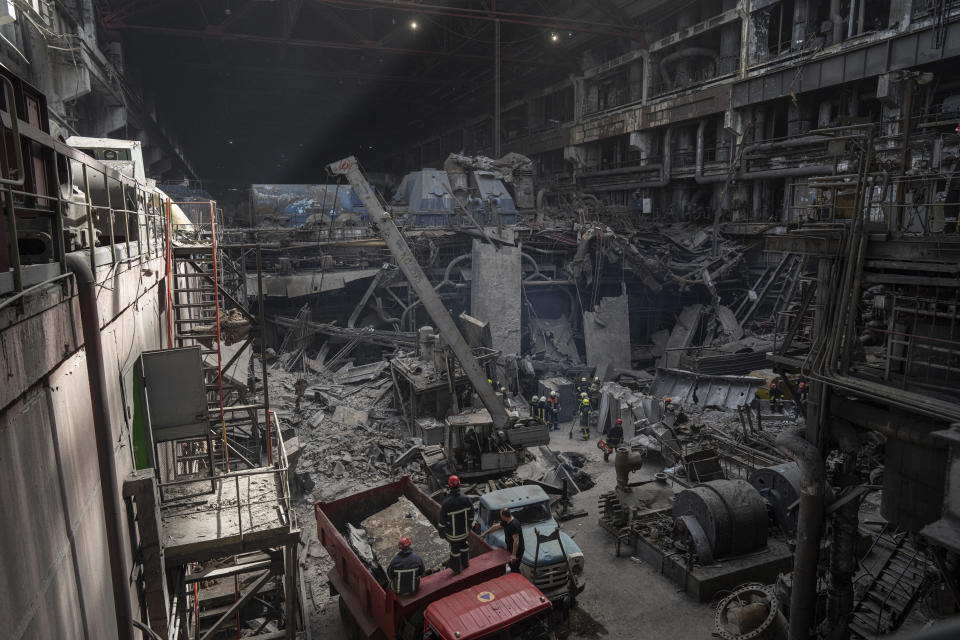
(774,291)
(206,287)
(895,588)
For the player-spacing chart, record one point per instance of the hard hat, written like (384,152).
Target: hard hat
(404,543)
(453,482)
(583,379)
(543,398)
(619,421)
(489,381)
(534,399)
(583,395)
(553,394)
(503,389)
(596,379)
(667,400)
(802,385)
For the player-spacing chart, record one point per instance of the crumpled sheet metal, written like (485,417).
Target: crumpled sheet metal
(688,388)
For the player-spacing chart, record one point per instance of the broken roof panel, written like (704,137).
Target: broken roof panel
(686,387)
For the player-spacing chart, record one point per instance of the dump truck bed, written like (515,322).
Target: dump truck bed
(375,608)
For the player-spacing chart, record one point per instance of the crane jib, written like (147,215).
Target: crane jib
(350,169)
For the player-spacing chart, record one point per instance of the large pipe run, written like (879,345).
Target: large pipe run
(113,513)
(803,596)
(664,166)
(892,425)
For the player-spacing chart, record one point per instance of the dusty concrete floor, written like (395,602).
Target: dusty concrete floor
(622,599)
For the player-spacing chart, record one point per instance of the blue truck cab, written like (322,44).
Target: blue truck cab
(556,577)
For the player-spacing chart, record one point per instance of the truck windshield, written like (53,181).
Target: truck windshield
(532,513)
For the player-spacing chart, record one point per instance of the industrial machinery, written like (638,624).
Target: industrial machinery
(706,537)
(720,518)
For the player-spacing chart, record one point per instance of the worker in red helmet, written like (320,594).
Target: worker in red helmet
(614,439)
(775,394)
(456,514)
(405,570)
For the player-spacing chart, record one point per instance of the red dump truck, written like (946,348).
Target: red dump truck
(481,602)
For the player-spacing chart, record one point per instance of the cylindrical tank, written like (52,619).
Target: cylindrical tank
(731,513)
(780,487)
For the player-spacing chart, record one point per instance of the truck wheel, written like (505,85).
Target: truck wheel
(351,629)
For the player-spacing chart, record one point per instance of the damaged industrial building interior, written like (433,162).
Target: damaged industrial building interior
(479,319)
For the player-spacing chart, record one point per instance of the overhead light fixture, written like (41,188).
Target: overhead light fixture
(554,37)
(413,25)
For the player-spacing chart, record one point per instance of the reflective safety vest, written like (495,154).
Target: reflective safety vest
(455,514)
(405,581)
(458,524)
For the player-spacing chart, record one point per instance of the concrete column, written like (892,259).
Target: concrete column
(496,294)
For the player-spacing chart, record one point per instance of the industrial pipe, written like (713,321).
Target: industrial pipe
(645,91)
(698,166)
(803,596)
(809,170)
(624,463)
(890,424)
(664,166)
(113,513)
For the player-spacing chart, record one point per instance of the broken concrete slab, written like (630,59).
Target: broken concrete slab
(475,331)
(496,293)
(607,333)
(554,339)
(352,375)
(728,320)
(350,416)
(403,519)
(681,337)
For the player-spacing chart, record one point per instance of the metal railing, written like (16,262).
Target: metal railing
(66,193)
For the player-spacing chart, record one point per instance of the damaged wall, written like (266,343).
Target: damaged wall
(607,333)
(496,293)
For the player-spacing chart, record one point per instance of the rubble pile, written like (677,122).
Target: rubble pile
(402,519)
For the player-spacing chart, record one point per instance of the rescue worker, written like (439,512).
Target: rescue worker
(299,388)
(614,439)
(775,395)
(456,513)
(584,410)
(553,411)
(582,386)
(800,402)
(543,409)
(535,408)
(594,392)
(405,570)
(506,399)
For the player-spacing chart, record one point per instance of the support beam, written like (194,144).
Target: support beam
(230,613)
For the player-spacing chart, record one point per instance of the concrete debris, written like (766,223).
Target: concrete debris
(350,417)
(402,519)
(682,336)
(234,328)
